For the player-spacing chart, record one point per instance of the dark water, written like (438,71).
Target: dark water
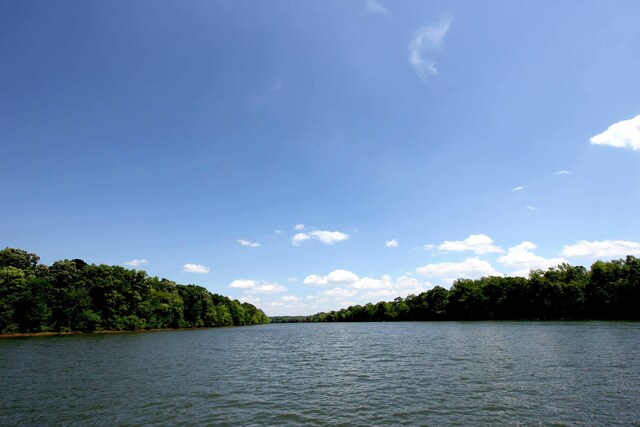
(329,374)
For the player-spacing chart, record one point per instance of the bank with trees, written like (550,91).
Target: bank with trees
(608,290)
(72,295)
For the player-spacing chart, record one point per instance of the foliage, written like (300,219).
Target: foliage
(610,290)
(72,295)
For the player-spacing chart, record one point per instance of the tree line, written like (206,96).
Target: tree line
(71,295)
(609,290)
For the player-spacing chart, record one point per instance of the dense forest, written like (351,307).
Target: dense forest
(71,295)
(609,290)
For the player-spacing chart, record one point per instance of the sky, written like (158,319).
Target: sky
(305,156)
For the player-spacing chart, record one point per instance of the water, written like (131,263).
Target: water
(329,374)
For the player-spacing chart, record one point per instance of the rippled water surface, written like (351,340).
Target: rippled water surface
(329,374)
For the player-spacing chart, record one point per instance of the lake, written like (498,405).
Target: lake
(413,373)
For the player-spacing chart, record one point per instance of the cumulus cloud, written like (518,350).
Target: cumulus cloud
(336,276)
(348,284)
(516,189)
(299,227)
(136,262)
(329,237)
(624,134)
(326,237)
(300,237)
(195,268)
(346,289)
(375,7)
(368,283)
(248,243)
(257,286)
(427,39)
(522,260)
(470,268)
(251,300)
(339,292)
(562,172)
(601,249)
(393,243)
(476,243)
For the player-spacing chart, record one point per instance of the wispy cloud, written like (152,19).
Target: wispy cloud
(195,268)
(375,7)
(393,243)
(532,208)
(516,189)
(624,134)
(427,39)
(258,98)
(248,243)
(562,172)
(136,262)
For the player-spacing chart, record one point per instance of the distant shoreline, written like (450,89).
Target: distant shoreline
(54,334)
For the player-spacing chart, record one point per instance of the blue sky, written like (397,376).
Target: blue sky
(309,155)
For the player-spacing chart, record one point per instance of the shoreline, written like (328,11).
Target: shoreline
(105,332)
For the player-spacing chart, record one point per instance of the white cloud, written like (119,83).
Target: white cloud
(367,283)
(257,286)
(601,249)
(299,227)
(292,279)
(348,289)
(136,262)
(624,134)
(516,189)
(195,268)
(278,232)
(562,172)
(248,243)
(375,7)
(329,237)
(326,237)
(532,208)
(335,277)
(470,268)
(476,243)
(427,38)
(339,292)
(521,259)
(300,237)
(393,243)
(251,300)
(429,247)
